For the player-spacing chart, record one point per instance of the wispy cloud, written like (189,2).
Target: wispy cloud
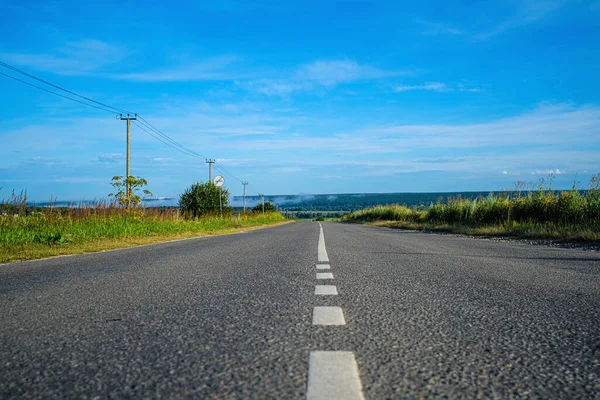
(219,68)
(556,133)
(111,158)
(529,12)
(333,72)
(430,86)
(436,28)
(437,87)
(83,57)
(161,160)
(319,75)
(526,13)
(275,87)
(555,171)
(94,57)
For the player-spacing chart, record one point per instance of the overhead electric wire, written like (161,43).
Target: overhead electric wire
(102,106)
(161,139)
(61,88)
(56,94)
(141,123)
(166,137)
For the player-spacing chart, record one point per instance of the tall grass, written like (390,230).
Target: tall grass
(548,212)
(25,231)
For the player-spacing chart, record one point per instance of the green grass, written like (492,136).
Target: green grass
(544,213)
(27,234)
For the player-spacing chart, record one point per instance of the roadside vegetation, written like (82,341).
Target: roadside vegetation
(28,232)
(539,213)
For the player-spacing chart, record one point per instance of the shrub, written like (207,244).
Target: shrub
(203,198)
(268,207)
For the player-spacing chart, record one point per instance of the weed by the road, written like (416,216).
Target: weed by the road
(33,233)
(543,213)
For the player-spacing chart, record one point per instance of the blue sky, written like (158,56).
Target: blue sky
(303,97)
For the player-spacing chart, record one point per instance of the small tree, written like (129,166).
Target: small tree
(269,207)
(136,193)
(202,198)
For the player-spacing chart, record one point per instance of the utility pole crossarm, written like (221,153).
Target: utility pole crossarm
(210,163)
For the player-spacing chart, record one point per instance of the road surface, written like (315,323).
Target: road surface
(294,311)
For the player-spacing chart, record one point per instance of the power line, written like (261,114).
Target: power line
(162,140)
(61,88)
(166,137)
(143,124)
(57,94)
(102,106)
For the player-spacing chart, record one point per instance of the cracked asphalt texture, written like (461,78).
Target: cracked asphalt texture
(428,316)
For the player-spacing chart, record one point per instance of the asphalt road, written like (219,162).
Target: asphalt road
(423,316)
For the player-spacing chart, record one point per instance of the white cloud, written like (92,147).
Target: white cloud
(110,158)
(319,75)
(436,28)
(530,11)
(504,173)
(333,72)
(83,57)
(437,87)
(219,68)
(526,13)
(549,172)
(271,87)
(289,170)
(430,86)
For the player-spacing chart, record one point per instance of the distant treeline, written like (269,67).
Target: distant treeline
(345,203)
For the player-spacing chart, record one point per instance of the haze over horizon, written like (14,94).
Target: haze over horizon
(302,97)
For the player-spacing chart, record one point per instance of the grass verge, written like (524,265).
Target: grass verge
(53,233)
(518,231)
(572,216)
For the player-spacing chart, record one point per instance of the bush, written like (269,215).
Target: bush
(268,207)
(203,198)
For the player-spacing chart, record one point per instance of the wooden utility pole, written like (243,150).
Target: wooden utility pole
(244,183)
(210,163)
(128,118)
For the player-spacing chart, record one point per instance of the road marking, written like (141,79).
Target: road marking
(323,266)
(333,375)
(324,275)
(328,316)
(326,290)
(322,250)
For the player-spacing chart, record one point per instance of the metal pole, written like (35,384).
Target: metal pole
(128,150)
(244,183)
(220,202)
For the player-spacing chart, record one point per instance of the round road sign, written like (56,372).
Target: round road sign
(219,181)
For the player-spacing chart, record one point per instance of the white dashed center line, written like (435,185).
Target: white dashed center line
(328,316)
(330,290)
(324,275)
(322,250)
(333,375)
